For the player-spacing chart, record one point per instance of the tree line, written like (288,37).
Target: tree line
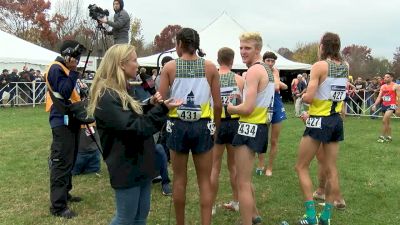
(359,57)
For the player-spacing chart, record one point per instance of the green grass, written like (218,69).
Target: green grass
(369,175)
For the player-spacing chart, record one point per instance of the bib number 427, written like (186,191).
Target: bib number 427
(247,129)
(314,122)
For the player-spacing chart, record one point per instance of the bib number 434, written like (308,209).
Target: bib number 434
(247,129)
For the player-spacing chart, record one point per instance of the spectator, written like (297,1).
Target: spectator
(301,88)
(154,74)
(359,96)
(13,77)
(25,87)
(293,85)
(163,62)
(88,158)
(4,88)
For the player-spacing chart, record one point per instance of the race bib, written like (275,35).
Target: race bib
(87,132)
(247,129)
(386,98)
(168,128)
(211,127)
(189,115)
(225,99)
(314,122)
(338,93)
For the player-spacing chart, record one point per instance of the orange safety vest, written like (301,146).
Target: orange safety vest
(75,97)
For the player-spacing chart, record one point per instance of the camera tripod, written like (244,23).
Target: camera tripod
(100,32)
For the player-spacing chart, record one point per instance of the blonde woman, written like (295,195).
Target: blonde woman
(126,133)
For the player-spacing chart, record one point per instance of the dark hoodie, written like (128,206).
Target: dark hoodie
(120,25)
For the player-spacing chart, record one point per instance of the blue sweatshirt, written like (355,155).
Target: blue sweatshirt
(63,84)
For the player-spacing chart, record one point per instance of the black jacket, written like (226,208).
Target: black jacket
(127,140)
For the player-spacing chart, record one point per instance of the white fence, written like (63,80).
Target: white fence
(23,93)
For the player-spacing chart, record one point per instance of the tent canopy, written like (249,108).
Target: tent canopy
(16,52)
(224,32)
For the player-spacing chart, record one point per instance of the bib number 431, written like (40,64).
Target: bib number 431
(247,129)
(189,115)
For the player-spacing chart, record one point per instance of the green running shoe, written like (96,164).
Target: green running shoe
(308,221)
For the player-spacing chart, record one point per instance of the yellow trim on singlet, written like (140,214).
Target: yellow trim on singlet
(323,107)
(206,111)
(258,116)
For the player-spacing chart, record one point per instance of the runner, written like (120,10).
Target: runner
(255,113)
(230,83)
(278,116)
(387,94)
(190,128)
(325,94)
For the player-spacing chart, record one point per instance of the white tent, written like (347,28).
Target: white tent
(16,52)
(224,32)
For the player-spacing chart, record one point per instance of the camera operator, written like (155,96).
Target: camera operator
(120,24)
(61,79)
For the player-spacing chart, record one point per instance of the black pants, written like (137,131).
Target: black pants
(63,154)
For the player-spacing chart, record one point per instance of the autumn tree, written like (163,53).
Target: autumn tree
(377,66)
(166,39)
(396,62)
(358,58)
(306,52)
(73,15)
(29,20)
(285,52)
(137,38)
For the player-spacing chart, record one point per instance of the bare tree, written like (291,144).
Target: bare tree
(72,10)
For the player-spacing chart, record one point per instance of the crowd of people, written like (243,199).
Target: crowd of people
(25,79)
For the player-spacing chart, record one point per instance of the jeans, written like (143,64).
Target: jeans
(162,164)
(133,205)
(87,162)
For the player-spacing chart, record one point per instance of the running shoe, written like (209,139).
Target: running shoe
(381,139)
(340,204)
(323,222)
(214,210)
(256,220)
(388,138)
(232,205)
(318,196)
(308,221)
(260,171)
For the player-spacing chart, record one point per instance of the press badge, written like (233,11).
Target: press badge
(66,120)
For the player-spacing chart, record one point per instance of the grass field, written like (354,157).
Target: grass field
(370,178)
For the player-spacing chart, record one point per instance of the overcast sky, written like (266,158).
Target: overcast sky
(283,23)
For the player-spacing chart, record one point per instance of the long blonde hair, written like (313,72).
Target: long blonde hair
(110,76)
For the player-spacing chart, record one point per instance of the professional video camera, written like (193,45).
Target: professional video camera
(74,52)
(96,12)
